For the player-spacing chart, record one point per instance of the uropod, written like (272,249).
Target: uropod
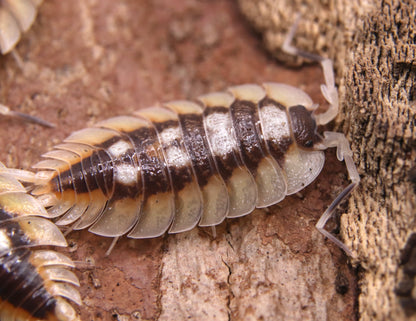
(34,283)
(181,164)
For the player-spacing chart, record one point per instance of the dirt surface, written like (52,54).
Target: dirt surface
(85,61)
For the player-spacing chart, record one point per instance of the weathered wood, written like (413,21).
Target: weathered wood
(373,45)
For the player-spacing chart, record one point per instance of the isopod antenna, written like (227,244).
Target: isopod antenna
(331,139)
(6,111)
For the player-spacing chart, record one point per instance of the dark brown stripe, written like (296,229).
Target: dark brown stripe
(215,109)
(197,147)
(4,215)
(266,101)
(90,180)
(21,286)
(55,183)
(102,169)
(98,171)
(161,126)
(151,161)
(180,176)
(12,230)
(226,165)
(246,121)
(279,145)
(303,127)
(110,142)
(89,174)
(65,179)
(279,148)
(78,179)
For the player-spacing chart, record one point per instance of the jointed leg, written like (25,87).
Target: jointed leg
(112,245)
(333,139)
(329,90)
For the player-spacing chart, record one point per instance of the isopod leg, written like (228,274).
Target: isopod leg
(328,214)
(18,59)
(329,90)
(4,110)
(333,139)
(112,245)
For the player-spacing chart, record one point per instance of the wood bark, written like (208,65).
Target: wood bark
(373,45)
(87,60)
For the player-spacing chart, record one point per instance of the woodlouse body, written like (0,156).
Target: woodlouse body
(33,284)
(16,17)
(184,163)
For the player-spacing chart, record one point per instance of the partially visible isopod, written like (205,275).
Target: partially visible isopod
(33,284)
(16,17)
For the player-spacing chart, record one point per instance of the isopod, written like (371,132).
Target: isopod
(182,164)
(16,17)
(34,285)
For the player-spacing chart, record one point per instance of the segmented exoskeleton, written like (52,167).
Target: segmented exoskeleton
(33,284)
(16,17)
(175,166)
(184,163)
(171,167)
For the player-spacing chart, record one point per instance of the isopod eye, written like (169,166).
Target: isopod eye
(309,143)
(303,126)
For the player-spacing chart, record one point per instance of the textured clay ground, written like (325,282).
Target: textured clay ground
(85,61)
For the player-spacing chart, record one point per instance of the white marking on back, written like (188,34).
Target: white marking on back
(175,155)
(170,134)
(219,129)
(119,148)
(274,123)
(126,174)
(5,243)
